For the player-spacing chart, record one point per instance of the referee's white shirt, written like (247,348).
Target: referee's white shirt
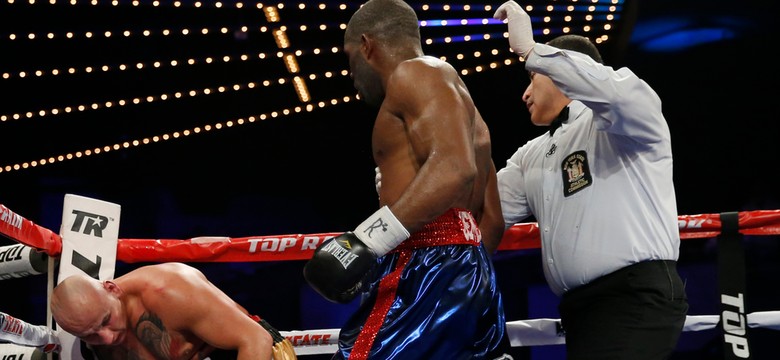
(601,187)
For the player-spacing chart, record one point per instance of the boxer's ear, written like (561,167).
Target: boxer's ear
(367,46)
(112,287)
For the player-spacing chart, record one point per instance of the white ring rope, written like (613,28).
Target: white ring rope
(19,332)
(18,260)
(533,332)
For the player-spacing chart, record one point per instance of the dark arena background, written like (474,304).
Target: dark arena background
(239,119)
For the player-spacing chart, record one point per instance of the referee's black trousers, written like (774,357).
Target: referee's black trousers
(634,313)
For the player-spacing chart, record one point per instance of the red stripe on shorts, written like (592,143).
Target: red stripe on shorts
(384,299)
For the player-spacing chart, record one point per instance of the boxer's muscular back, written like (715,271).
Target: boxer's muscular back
(432,113)
(153,335)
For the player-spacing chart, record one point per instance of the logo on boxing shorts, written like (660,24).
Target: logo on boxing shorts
(340,252)
(470,229)
(576,173)
(94,224)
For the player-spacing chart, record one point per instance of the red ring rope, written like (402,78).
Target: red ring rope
(301,246)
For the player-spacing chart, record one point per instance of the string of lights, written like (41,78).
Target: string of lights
(212,127)
(293,28)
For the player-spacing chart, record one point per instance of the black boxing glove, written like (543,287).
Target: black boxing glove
(339,266)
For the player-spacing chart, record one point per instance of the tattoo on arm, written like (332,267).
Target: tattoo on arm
(151,332)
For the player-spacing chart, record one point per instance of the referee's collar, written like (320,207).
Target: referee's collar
(562,117)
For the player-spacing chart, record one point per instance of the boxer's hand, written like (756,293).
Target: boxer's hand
(282,349)
(339,266)
(521,37)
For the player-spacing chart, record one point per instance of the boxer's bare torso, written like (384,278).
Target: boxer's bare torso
(415,127)
(156,330)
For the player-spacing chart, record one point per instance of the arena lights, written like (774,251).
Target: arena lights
(290,61)
(160,97)
(173,135)
(136,3)
(271,14)
(458,22)
(450,7)
(286,26)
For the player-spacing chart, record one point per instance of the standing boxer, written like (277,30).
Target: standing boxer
(430,288)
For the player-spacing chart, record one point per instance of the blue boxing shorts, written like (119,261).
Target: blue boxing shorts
(435,296)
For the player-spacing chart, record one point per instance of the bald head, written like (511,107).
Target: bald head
(76,301)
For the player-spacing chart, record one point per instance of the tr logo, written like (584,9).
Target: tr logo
(376,225)
(94,224)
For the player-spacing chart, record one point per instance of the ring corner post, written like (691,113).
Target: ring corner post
(732,288)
